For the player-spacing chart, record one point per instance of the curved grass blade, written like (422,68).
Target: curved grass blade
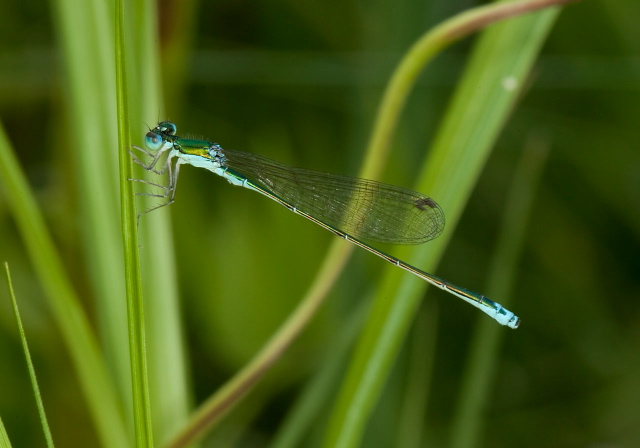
(478,111)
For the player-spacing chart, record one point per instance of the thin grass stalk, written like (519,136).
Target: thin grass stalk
(27,355)
(133,282)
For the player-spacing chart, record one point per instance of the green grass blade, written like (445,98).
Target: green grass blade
(101,396)
(4,437)
(27,355)
(166,358)
(487,338)
(170,393)
(478,111)
(135,304)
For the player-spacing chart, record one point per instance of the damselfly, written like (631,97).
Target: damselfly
(350,207)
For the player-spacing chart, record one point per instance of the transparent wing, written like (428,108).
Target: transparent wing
(362,208)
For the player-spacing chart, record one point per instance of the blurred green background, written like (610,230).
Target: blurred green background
(300,82)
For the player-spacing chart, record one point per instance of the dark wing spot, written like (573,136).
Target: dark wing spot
(423,203)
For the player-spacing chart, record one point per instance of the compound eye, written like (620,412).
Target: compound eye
(153,141)
(167,127)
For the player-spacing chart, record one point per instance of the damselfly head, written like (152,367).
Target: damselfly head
(157,137)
